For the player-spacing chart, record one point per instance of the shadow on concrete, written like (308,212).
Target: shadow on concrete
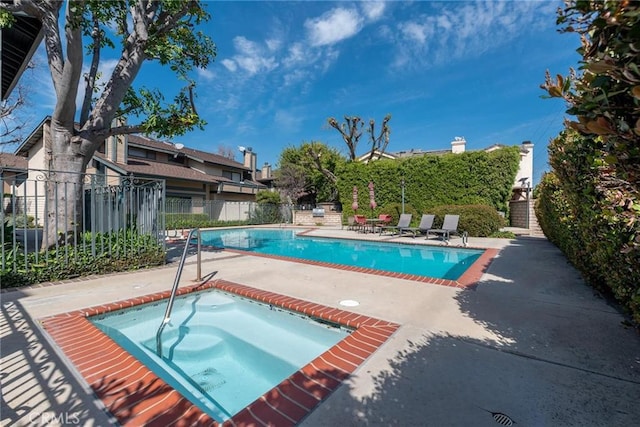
(37,387)
(554,354)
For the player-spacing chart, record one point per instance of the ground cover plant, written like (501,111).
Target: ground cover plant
(100,253)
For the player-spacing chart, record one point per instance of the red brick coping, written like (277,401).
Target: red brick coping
(135,396)
(468,279)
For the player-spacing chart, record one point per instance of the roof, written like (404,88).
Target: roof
(13,162)
(169,147)
(35,136)
(19,42)
(149,168)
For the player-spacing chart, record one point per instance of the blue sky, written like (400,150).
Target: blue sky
(441,69)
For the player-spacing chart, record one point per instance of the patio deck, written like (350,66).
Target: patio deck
(530,341)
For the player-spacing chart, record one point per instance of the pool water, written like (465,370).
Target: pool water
(219,350)
(421,260)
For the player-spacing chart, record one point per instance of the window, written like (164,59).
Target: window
(233,176)
(138,152)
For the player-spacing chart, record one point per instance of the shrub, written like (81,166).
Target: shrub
(20,221)
(118,251)
(503,235)
(477,220)
(175,221)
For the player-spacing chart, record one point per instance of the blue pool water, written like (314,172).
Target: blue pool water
(220,351)
(422,260)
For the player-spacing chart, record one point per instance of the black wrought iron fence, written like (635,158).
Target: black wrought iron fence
(54,227)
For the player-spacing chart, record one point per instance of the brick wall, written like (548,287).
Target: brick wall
(306,218)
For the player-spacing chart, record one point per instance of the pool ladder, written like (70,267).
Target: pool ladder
(167,313)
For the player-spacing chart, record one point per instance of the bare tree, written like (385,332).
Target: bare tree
(292,182)
(161,30)
(11,127)
(351,131)
(227,152)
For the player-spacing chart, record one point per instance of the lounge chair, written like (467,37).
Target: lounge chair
(426,223)
(403,224)
(449,226)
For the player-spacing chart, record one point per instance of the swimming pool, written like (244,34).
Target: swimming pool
(221,351)
(420,260)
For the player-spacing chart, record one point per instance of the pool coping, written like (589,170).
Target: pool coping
(469,279)
(136,396)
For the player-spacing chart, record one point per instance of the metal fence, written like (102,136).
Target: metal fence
(121,208)
(212,212)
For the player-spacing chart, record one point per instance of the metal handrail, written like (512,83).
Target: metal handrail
(167,313)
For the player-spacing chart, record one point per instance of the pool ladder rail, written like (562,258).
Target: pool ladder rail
(167,313)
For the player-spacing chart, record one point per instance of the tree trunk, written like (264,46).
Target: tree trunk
(64,190)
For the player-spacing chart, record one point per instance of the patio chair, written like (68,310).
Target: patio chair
(383,220)
(403,224)
(351,222)
(449,226)
(426,223)
(360,223)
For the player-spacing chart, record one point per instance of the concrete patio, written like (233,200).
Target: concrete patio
(532,342)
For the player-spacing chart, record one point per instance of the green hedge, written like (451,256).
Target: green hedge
(469,178)
(575,214)
(477,220)
(176,221)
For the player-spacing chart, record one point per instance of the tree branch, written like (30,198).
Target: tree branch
(90,78)
(69,79)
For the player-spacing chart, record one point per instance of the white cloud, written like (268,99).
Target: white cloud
(297,54)
(335,25)
(230,65)
(250,57)
(273,44)
(373,10)
(415,32)
(459,30)
(205,74)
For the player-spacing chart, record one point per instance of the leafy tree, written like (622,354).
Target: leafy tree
(160,31)
(267,197)
(351,131)
(605,99)
(590,206)
(309,168)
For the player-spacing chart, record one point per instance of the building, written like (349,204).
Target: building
(191,176)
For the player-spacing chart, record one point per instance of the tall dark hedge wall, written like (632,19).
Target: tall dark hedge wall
(474,177)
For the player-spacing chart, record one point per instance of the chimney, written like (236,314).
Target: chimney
(266,171)
(458,144)
(250,162)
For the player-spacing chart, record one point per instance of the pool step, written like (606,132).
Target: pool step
(183,343)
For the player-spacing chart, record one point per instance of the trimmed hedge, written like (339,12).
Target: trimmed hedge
(469,178)
(175,221)
(477,220)
(576,215)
